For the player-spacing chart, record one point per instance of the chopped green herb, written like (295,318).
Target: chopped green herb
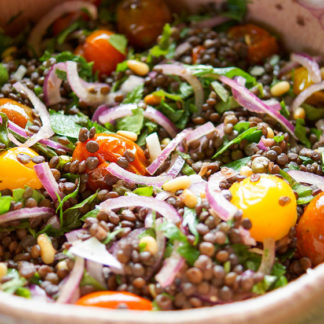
(279,138)
(4,75)
(242,126)
(4,131)
(144,191)
(134,96)
(313,113)
(220,90)
(119,42)
(133,123)
(236,165)
(111,236)
(301,132)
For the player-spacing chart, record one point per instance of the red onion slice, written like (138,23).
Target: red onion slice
(131,239)
(200,131)
(268,256)
(52,84)
(261,146)
(308,177)
(45,131)
(246,237)
(171,267)
(111,114)
(219,204)
(95,251)
(38,293)
(181,71)
(251,102)
(163,208)
(25,213)
(176,167)
(220,130)
(41,27)
(74,235)
(301,98)
(310,64)
(198,185)
(95,271)
(69,290)
(154,166)
(131,177)
(47,179)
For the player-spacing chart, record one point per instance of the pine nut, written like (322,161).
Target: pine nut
(299,113)
(165,141)
(3,269)
(47,250)
(140,68)
(130,135)
(149,243)
(173,185)
(280,88)
(270,133)
(189,199)
(152,100)
(62,265)
(245,171)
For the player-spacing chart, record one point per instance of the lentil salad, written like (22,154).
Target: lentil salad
(138,179)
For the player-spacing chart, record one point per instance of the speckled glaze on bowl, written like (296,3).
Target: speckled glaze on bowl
(301,27)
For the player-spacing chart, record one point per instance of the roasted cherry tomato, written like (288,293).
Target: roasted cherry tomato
(16,112)
(14,174)
(261,44)
(196,53)
(114,299)
(302,81)
(142,21)
(310,231)
(112,147)
(98,49)
(269,203)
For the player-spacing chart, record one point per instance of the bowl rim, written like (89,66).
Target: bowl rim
(261,309)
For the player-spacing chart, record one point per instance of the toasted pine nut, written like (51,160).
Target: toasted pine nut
(280,88)
(130,135)
(165,141)
(140,68)
(189,198)
(47,250)
(152,100)
(245,171)
(299,113)
(62,265)
(3,269)
(270,133)
(173,185)
(150,244)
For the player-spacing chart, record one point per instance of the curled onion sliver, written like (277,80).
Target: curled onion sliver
(308,177)
(200,131)
(268,256)
(310,64)
(25,213)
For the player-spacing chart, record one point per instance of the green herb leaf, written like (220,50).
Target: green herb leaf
(284,110)
(4,75)
(134,96)
(190,219)
(14,283)
(220,90)
(88,280)
(301,132)
(279,138)
(111,236)
(163,94)
(144,191)
(188,170)
(236,165)
(133,123)
(229,104)
(119,42)
(86,201)
(4,131)
(236,9)
(252,135)
(61,74)
(5,204)
(313,113)
(242,126)
(92,213)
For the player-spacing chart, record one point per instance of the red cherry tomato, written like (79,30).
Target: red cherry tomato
(111,148)
(112,299)
(310,231)
(260,42)
(142,21)
(97,49)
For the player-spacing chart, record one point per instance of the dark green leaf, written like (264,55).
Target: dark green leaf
(66,31)
(133,123)
(236,9)
(4,75)
(306,160)
(86,201)
(229,104)
(242,126)
(92,213)
(119,42)
(236,165)
(313,113)
(188,170)
(301,132)
(134,96)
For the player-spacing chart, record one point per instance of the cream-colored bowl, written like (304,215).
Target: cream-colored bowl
(301,28)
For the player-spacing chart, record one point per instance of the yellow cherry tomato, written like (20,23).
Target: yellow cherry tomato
(14,174)
(302,81)
(269,203)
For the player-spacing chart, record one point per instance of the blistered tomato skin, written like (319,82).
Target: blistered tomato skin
(16,112)
(142,21)
(112,147)
(97,49)
(310,231)
(14,174)
(269,203)
(114,299)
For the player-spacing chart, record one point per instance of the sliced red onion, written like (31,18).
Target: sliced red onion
(52,84)
(308,177)
(38,293)
(175,167)
(41,27)
(95,251)
(154,166)
(220,130)
(163,208)
(69,290)
(55,145)
(310,64)
(130,177)
(25,213)
(268,256)
(46,130)
(74,235)
(150,113)
(275,104)
(54,222)
(261,146)
(99,111)
(200,131)
(149,220)
(47,179)
(251,102)
(288,67)
(198,185)
(153,146)
(224,209)
(180,70)
(95,270)
(301,98)
(171,267)
(246,236)
(211,22)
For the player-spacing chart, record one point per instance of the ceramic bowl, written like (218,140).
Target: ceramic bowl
(300,23)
